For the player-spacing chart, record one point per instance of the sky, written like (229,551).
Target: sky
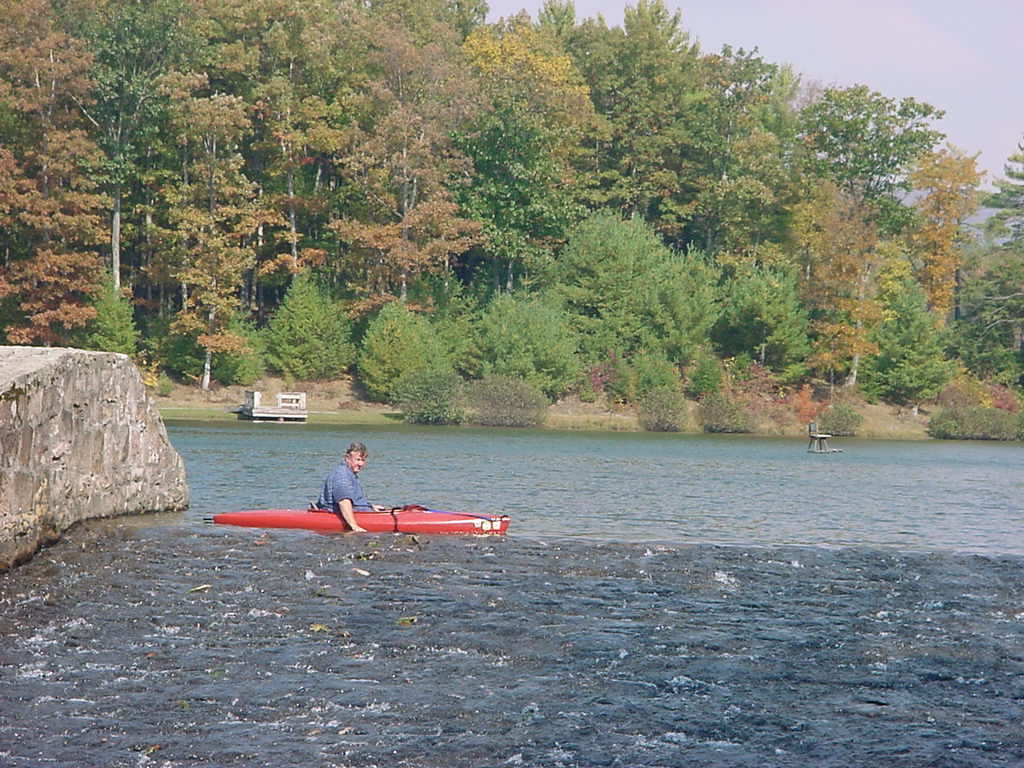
(958,56)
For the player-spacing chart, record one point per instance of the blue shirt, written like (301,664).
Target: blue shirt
(342,483)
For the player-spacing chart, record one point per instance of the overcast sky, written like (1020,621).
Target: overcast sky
(960,56)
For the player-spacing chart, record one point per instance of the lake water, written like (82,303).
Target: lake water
(661,600)
(951,496)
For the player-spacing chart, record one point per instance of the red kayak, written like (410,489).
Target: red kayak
(411,518)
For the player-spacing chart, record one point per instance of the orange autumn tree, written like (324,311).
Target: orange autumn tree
(949,182)
(50,213)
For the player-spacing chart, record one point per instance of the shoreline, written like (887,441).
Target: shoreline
(337,402)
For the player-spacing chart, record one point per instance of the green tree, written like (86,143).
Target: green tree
(910,366)
(640,374)
(734,202)
(133,46)
(244,364)
(113,329)
(989,335)
(644,82)
(525,190)
(398,343)
(557,18)
(1008,200)
(764,317)
(528,339)
(309,337)
(624,291)
(704,374)
(867,144)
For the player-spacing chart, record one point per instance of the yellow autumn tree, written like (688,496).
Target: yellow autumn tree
(525,145)
(214,216)
(838,252)
(948,180)
(400,160)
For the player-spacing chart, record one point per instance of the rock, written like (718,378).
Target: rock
(79,438)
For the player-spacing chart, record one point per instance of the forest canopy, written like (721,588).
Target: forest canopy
(217,187)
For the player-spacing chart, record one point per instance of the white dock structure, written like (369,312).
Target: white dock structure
(291,406)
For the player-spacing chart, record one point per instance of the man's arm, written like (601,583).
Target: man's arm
(345,505)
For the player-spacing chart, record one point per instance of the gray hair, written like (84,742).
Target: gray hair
(357,447)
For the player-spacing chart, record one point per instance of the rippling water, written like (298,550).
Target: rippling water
(866,610)
(957,496)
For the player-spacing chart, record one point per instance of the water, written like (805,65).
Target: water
(958,496)
(661,601)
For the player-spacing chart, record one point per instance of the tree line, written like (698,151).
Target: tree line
(393,186)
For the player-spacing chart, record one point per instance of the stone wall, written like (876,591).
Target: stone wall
(79,438)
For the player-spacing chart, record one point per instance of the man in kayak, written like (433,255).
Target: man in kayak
(343,493)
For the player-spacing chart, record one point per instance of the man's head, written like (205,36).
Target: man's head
(355,456)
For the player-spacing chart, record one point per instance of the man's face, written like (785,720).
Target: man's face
(355,461)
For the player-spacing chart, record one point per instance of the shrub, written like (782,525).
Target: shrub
(1020,426)
(309,337)
(503,401)
(183,355)
(398,342)
(720,414)
(963,391)
(974,423)
(1003,397)
(642,373)
(705,375)
(805,407)
(663,409)
(246,365)
(596,379)
(840,419)
(430,397)
(164,385)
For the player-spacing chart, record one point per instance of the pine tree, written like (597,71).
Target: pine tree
(1008,223)
(911,365)
(114,329)
(398,343)
(309,337)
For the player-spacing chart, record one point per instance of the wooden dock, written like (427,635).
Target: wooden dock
(291,406)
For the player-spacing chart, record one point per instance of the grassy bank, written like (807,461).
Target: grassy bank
(337,402)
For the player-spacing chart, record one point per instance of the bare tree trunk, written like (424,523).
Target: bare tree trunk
(115,239)
(208,359)
(851,378)
(292,226)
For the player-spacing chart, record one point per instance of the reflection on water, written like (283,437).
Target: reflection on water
(637,487)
